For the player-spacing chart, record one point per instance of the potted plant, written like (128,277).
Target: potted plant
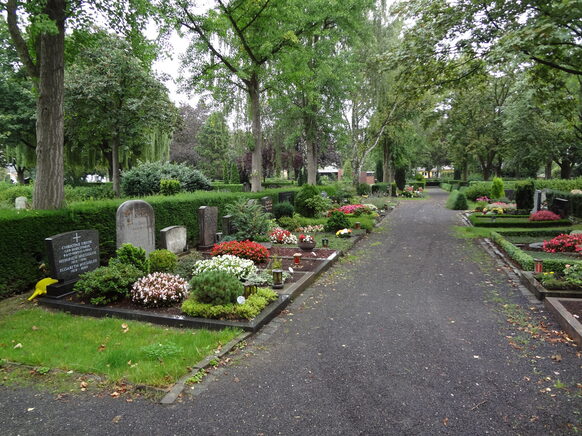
(306,242)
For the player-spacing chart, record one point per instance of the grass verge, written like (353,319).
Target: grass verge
(120,350)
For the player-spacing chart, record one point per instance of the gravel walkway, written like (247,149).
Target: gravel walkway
(408,335)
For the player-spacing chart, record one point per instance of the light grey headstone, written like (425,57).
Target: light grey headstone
(207,225)
(537,201)
(20,203)
(174,238)
(136,225)
(72,253)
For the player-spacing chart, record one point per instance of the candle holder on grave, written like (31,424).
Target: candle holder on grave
(277,279)
(297,258)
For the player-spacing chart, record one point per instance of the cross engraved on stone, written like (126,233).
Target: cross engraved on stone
(76,237)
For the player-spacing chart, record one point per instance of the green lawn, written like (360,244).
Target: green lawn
(138,352)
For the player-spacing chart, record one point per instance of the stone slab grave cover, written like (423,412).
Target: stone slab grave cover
(135,222)
(207,226)
(71,254)
(174,239)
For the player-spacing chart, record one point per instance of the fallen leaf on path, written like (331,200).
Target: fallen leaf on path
(116,419)
(30,409)
(446,421)
(557,357)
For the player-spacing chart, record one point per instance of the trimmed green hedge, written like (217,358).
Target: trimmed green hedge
(525,260)
(484,221)
(23,232)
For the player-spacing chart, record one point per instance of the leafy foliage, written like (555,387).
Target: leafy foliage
(169,186)
(107,284)
(249,219)
(163,261)
(216,288)
(283,209)
(252,307)
(457,201)
(128,254)
(337,221)
(301,200)
(497,190)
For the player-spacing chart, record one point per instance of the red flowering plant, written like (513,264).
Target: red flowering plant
(544,215)
(243,249)
(282,236)
(563,243)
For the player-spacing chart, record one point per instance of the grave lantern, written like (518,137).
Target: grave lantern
(277,278)
(325,242)
(297,258)
(538,266)
(357,225)
(250,289)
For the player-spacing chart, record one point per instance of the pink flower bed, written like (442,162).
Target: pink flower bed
(544,215)
(564,243)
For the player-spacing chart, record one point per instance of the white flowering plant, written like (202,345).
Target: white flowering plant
(311,228)
(282,236)
(159,289)
(240,268)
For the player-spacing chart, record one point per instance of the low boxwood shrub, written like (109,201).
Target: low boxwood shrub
(476,190)
(380,188)
(169,186)
(244,249)
(159,289)
(510,221)
(457,201)
(337,221)
(107,284)
(283,209)
(163,261)
(250,309)
(216,287)
(289,223)
(131,255)
(363,189)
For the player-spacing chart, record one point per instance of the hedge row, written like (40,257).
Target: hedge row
(525,260)
(23,232)
(486,221)
(574,206)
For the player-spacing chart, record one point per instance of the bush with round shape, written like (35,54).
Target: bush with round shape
(244,249)
(169,186)
(159,289)
(144,179)
(283,209)
(337,221)
(107,284)
(544,215)
(363,189)
(131,255)
(216,287)
(163,261)
(240,268)
(458,201)
(301,205)
(289,223)
(497,190)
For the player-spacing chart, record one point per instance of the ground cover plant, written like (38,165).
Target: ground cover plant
(120,350)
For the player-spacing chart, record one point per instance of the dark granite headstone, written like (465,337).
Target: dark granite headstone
(136,225)
(69,255)
(174,238)
(267,204)
(510,194)
(246,187)
(207,224)
(287,196)
(227,225)
(560,206)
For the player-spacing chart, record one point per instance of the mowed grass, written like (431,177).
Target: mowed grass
(121,350)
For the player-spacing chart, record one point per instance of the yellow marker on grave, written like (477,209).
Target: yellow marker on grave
(40,287)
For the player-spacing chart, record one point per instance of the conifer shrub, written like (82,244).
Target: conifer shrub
(283,209)
(131,255)
(301,205)
(216,287)
(337,221)
(163,261)
(497,190)
(107,284)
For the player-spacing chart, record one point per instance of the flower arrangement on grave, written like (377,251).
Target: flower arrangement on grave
(282,236)
(544,215)
(483,198)
(564,243)
(306,238)
(159,289)
(240,268)
(410,192)
(311,228)
(573,274)
(493,210)
(244,249)
(344,233)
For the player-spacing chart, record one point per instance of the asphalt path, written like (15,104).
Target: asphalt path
(407,335)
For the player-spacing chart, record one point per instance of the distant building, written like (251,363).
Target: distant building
(335,173)
(436,173)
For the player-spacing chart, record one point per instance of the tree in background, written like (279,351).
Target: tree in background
(115,105)
(214,149)
(183,148)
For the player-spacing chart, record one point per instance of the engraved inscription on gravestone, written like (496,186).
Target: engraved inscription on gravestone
(267,204)
(173,238)
(136,225)
(73,253)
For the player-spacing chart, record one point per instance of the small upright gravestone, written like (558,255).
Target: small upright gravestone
(20,203)
(227,225)
(267,204)
(174,239)
(71,254)
(287,196)
(136,225)
(537,201)
(207,225)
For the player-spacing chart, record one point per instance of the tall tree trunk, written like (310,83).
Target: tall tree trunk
(115,165)
(20,174)
(387,171)
(566,169)
(548,169)
(257,154)
(49,184)
(311,145)
(465,170)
